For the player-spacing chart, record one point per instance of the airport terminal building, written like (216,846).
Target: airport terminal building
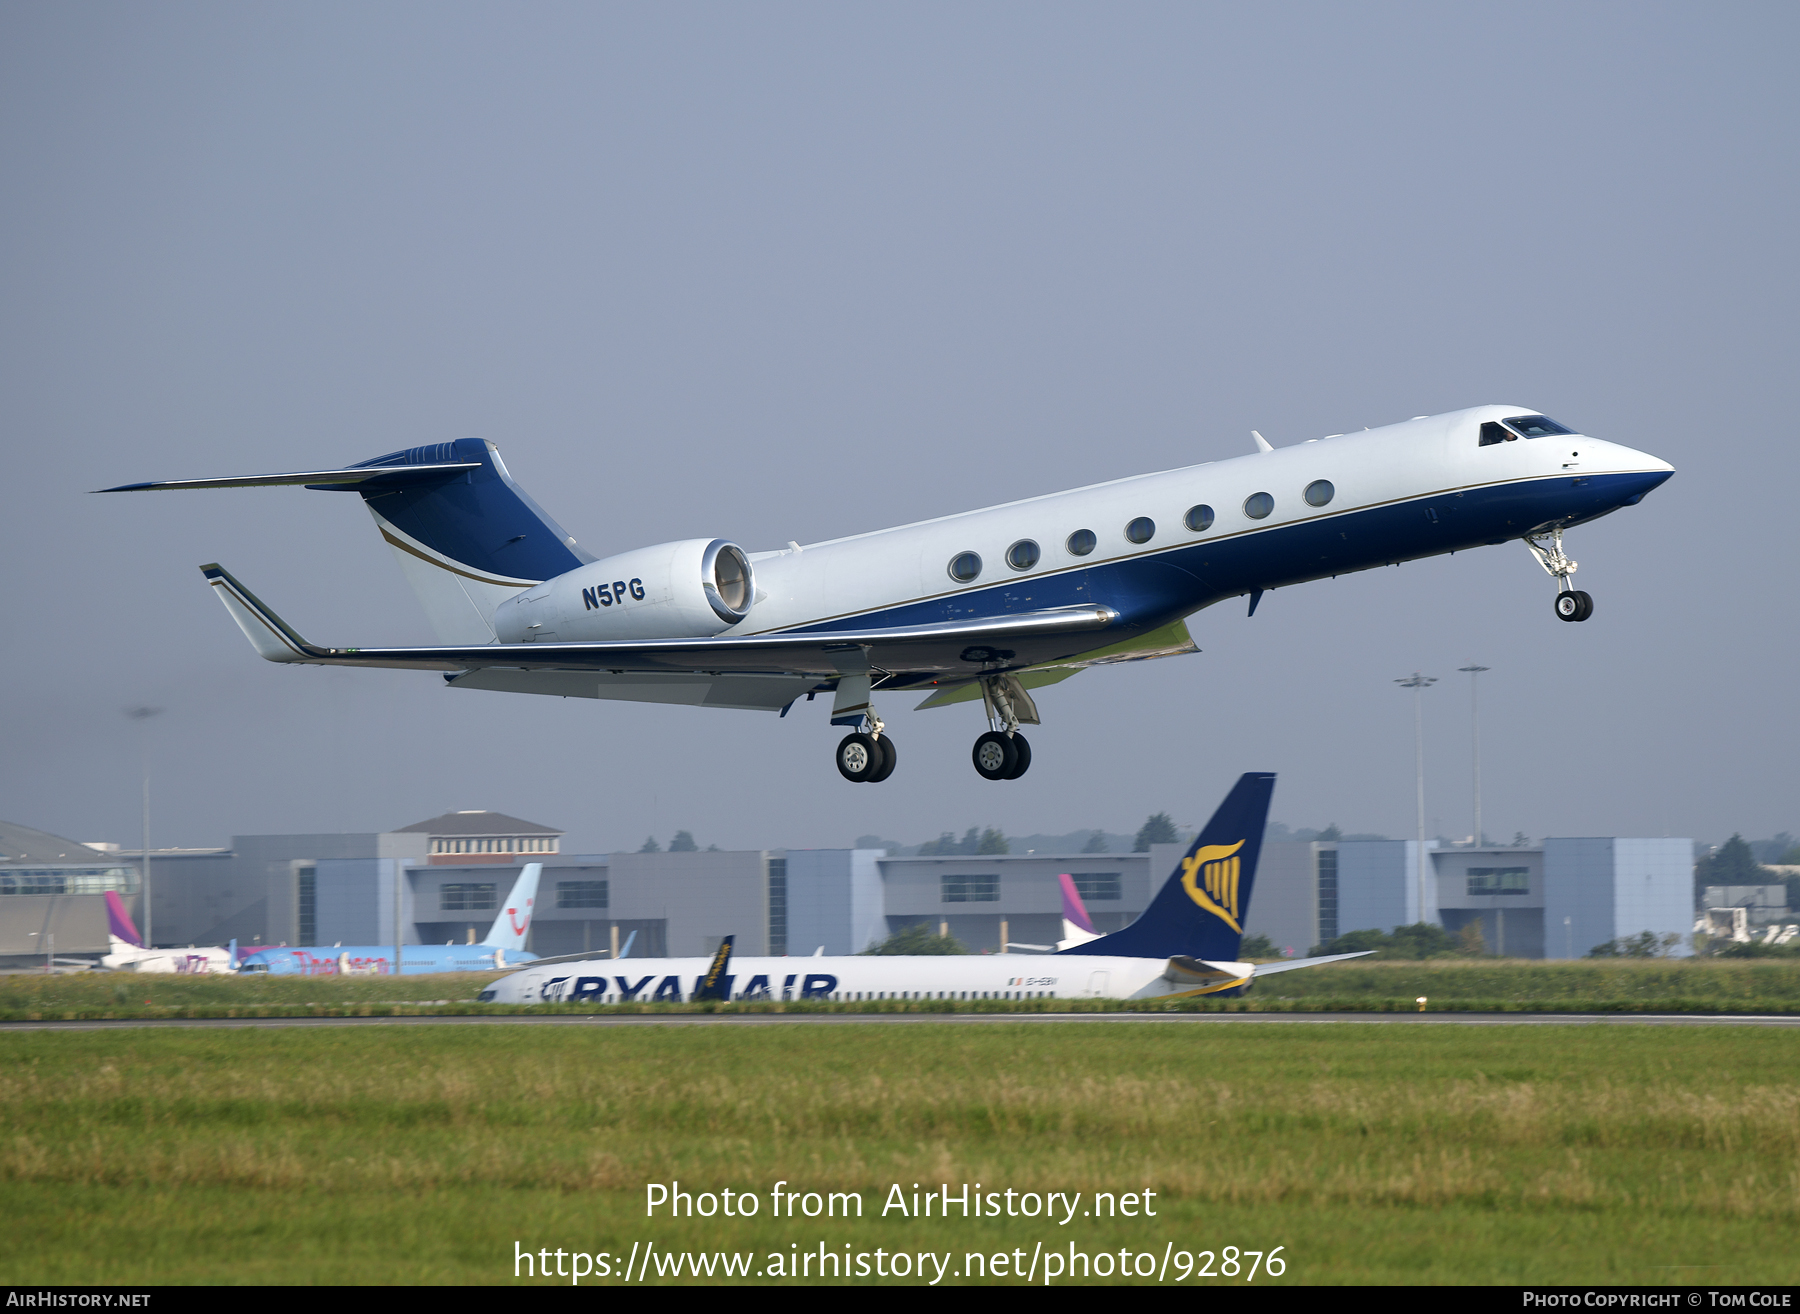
(442,880)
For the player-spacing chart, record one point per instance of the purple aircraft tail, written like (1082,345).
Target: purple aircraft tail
(1074,910)
(118,921)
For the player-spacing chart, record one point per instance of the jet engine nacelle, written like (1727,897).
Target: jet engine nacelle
(692,589)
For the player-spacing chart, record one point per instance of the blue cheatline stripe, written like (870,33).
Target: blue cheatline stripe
(478,518)
(1197,570)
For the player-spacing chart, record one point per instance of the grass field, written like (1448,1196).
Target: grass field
(1612,985)
(1372,1154)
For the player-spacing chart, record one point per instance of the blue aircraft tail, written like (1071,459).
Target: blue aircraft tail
(466,536)
(1199,912)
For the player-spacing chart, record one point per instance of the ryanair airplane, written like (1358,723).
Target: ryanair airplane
(982,607)
(1184,944)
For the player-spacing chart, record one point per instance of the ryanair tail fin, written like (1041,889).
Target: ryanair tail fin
(514,922)
(1199,912)
(466,536)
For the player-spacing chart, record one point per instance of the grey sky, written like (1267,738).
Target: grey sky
(793,271)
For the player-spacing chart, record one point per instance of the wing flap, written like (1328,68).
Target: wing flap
(1171,640)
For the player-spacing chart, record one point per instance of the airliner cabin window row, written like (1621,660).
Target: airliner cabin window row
(1082,542)
(1022,555)
(1319,492)
(1141,530)
(1258,505)
(1199,518)
(965,566)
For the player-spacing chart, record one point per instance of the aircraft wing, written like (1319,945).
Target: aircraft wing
(1289,964)
(958,648)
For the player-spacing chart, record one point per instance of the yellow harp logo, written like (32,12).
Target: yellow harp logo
(1210,876)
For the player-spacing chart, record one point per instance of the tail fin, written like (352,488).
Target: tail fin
(119,922)
(514,922)
(1078,927)
(716,984)
(467,537)
(1200,911)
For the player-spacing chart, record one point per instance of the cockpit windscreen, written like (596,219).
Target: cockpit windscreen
(1535,426)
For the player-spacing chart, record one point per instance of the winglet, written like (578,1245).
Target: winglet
(273,638)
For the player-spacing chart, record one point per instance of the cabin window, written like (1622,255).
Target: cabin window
(970,889)
(1081,542)
(1198,518)
(1492,433)
(1258,505)
(1023,555)
(1535,426)
(965,566)
(1319,492)
(1141,530)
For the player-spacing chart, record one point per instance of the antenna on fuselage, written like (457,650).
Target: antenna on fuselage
(1262,443)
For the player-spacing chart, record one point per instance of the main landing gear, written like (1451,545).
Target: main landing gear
(867,755)
(1003,753)
(1572,604)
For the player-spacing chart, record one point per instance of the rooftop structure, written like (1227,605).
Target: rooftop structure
(478,836)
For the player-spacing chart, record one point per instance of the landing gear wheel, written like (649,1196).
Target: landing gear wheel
(858,757)
(1575,605)
(995,757)
(1023,748)
(888,758)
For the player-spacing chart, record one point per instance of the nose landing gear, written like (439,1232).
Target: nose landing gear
(1572,604)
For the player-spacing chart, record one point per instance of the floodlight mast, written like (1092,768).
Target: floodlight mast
(1418,684)
(1474,673)
(141,715)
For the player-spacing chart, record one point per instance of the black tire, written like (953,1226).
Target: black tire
(1568,606)
(998,753)
(1023,748)
(888,759)
(1587,605)
(857,758)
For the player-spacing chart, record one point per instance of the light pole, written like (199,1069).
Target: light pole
(141,715)
(1474,673)
(1419,684)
